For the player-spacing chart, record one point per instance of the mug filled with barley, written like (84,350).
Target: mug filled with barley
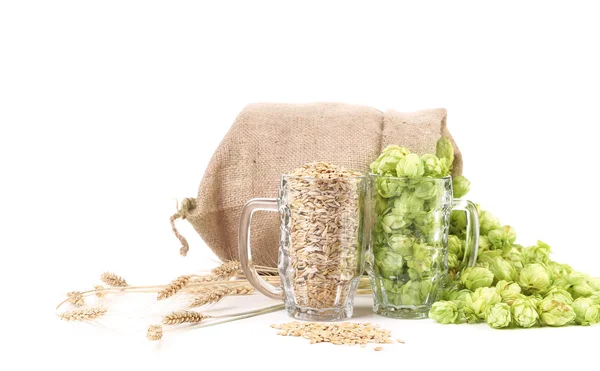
(322,224)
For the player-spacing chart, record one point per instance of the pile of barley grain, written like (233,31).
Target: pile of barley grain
(346,333)
(324,245)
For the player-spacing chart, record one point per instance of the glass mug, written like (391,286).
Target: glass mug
(408,251)
(321,248)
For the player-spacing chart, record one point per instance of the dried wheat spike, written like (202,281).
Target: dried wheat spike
(213,296)
(207,278)
(173,288)
(87,314)
(155,332)
(75,298)
(176,318)
(217,293)
(113,280)
(100,293)
(227,270)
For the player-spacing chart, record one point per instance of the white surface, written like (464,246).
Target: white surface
(111,110)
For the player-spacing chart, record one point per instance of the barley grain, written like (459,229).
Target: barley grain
(323,248)
(342,333)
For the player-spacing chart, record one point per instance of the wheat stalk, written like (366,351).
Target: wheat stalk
(113,280)
(185,316)
(87,314)
(173,288)
(75,298)
(155,332)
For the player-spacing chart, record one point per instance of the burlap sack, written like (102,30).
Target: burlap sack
(268,140)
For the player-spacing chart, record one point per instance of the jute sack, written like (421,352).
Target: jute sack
(267,140)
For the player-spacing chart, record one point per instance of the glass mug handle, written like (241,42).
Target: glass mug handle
(245,252)
(472,232)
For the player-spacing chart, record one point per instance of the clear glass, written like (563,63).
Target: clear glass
(407,258)
(321,251)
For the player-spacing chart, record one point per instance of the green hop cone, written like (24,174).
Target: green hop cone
(487,223)
(513,255)
(594,283)
(459,297)
(389,263)
(455,245)
(435,167)
(388,187)
(503,270)
(559,294)
(556,313)
(587,312)
(445,150)
(427,189)
(559,271)
(387,162)
(444,312)
(509,291)
(458,223)
(460,186)
(484,244)
(498,315)
(475,277)
(401,244)
(486,258)
(393,221)
(421,260)
(452,261)
(427,223)
(539,253)
(468,314)
(408,203)
(579,286)
(411,293)
(524,312)
(534,279)
(480,299)
(503,237)
(410,166)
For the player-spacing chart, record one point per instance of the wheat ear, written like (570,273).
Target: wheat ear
(100,291)
(185,316)
(155,332)
(87,314)
(113,280)
(218,293)
(75,298)
(173,288)
(227,270)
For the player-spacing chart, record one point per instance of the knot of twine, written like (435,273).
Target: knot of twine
(187,205)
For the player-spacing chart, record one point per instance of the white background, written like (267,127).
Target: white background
(111,110)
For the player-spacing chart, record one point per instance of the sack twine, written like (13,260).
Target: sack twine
(187,205)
